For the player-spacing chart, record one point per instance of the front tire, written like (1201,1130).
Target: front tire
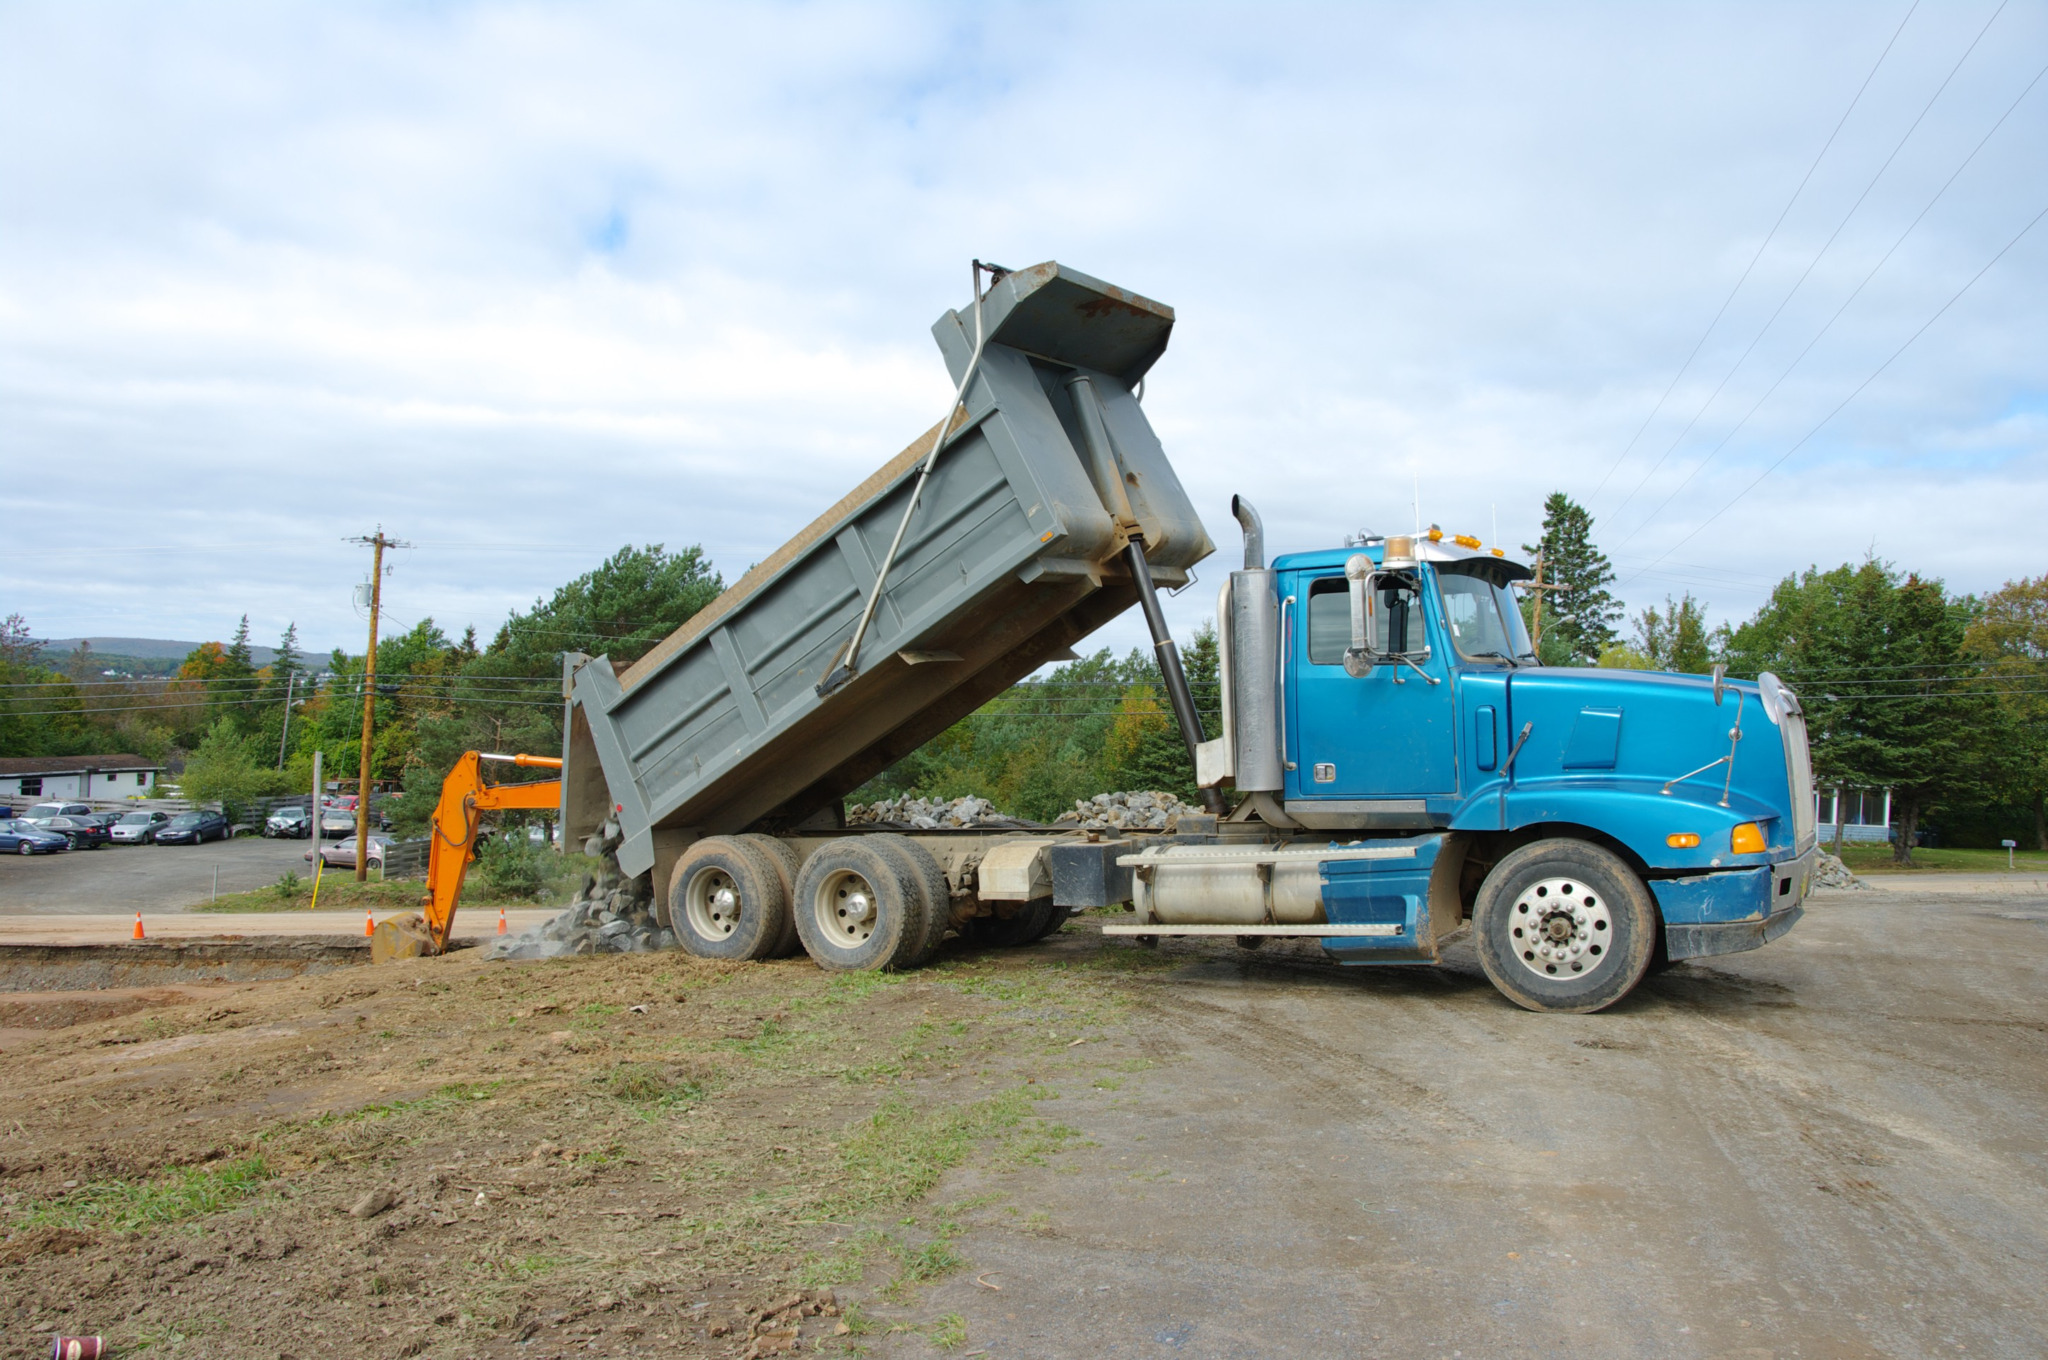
(1564,926)
(725,901)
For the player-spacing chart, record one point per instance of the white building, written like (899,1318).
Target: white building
(115,776)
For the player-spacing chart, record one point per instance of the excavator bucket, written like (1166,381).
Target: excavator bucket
(401,937)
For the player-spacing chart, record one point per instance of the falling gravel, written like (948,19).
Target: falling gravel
(610,914)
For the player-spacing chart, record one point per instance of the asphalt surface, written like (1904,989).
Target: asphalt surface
(1830,1147)
(147,878)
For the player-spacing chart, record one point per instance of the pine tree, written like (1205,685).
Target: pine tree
(1579,616)
(2009,639)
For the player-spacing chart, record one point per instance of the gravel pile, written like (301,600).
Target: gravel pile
(610,914)
(929,814)
(1829,872)
(1140,811)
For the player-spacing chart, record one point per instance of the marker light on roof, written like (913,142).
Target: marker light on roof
(1465,540)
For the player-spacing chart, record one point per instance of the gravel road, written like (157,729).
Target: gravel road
(1829,1147)
(131,878)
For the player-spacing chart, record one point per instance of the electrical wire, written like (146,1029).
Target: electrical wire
(1803,439)
(1837,316)
(1793,291)
(1769,236)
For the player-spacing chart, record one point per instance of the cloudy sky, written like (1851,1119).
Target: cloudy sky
(524,282)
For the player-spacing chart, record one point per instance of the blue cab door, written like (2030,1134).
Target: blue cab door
(1390,734)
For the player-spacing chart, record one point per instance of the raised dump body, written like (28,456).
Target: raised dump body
(1012,556)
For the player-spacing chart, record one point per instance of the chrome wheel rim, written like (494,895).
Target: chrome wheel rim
(711,904)
(844,908)
(1560,929)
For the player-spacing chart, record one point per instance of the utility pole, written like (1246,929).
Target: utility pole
(1536,588)
(290,679)
(379,543)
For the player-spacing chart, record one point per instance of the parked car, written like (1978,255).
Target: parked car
(84,833)
(43,812)
(23,837)
(193,828)
(137,828)
(289,822)
(334,822)
(342,854)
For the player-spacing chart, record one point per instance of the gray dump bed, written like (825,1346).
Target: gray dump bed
(1010,559)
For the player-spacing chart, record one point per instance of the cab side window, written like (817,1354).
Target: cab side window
(1397,622)
(1329,620)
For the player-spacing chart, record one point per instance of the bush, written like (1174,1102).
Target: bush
(508,867)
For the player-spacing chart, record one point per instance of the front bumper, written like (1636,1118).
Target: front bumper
(1737,909)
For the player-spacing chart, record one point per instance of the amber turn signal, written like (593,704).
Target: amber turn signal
(1682,840)
(1747,839)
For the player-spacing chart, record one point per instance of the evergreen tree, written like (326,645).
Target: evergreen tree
(2009,641)
(1673,639)
(1878,664)
(1579,616)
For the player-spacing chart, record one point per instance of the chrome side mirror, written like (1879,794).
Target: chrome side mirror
(1359,658)
(1720,683)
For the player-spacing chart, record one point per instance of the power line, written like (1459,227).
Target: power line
(2034,221)
(1751,266)
(1855,293)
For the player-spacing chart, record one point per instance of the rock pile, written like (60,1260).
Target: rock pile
(1124,811)
(610,914)
(929,814)
(1829,872)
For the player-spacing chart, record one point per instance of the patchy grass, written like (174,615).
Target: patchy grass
(445,1098)
(900,1152)
(950,1332)
(129,1205)
(1877,859)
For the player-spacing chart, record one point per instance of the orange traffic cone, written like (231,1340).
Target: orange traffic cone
(501,920)
(369,922)
(138,926)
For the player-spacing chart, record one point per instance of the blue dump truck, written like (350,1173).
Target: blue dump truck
(1394,768)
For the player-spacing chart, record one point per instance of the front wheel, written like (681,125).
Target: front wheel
(1564,925)
(24,848)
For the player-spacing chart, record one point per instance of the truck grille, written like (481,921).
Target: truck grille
(1799,772)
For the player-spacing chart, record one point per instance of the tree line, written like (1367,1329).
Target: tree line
(1940,697)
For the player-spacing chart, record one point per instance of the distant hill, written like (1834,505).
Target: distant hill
(117,649)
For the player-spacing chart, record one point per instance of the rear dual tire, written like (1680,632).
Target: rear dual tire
(868,904)
(726,900)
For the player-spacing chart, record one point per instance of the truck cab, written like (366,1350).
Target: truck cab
(1411,707)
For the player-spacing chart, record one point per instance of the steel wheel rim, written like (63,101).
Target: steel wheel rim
(844,908)
(1560,929)
(711,904)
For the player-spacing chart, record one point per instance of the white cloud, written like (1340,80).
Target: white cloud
(609,273)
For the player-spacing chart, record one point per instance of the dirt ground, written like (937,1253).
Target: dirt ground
(1827,1148)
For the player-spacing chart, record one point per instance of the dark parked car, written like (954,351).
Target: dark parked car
(290,822)
(139,828)
(193,828)
(84,833)
(18,836)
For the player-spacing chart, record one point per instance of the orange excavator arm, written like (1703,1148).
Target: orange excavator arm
(451,843)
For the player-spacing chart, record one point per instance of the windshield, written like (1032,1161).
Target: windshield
(136,819)
(189,819)
(1484,621)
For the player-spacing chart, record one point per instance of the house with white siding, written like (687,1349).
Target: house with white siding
(114,776)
